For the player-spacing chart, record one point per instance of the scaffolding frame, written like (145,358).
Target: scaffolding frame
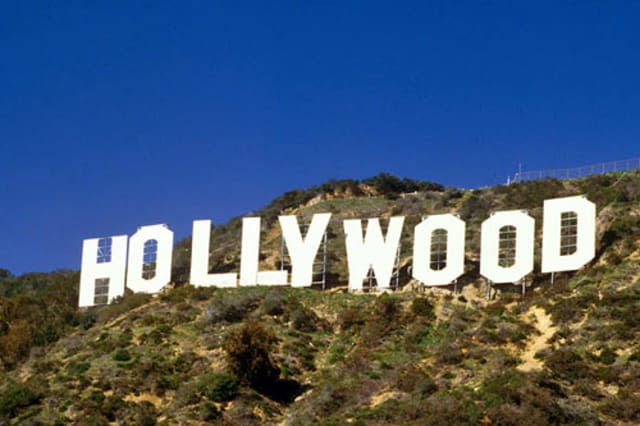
(507,246)
(319,269)
(395,277)
(439,249)
(568,233)
(101,291)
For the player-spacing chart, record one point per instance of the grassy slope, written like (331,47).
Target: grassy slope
(566,353)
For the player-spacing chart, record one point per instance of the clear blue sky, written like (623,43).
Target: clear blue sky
(118,115)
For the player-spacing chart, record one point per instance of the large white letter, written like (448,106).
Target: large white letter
(375,252)
(200,276)
(422,242)
(157,241)
(303,252)
(585,233)
(103,259)
(490,246)
(249,257)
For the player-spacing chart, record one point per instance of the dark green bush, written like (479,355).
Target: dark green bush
(635,356)
(413,380)
(232,306)
(187,292)
(349,318)
(121,355)
(304,319)
(567,363)
(422,306)
(391,186)
(112,406)
(219,387)
(274,302)
(15,396)
(209,412)
(248,351)
(121,305)
(625,406)
(608,356)
(88,319)
(78,368)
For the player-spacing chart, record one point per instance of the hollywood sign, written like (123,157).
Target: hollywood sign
(108,263)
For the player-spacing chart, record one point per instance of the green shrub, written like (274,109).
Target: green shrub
(219,387)
(413,380)
(209,412)
(145,414)
(187,292)
(274,302)
(88,319)
(78,368)
(349,318)
(386,308)
(122,305)
(97,397)
(112,406)
(15,396)
(422,306)
(608,356)
(121,355)
(231,306)
(503,388)
(304,319)
(567,363)
(635,356)
(625,406)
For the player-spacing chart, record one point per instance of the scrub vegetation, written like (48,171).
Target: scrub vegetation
(565,353)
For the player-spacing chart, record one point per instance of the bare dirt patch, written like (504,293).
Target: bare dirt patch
(543,323)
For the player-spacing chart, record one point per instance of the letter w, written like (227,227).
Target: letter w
(376,251)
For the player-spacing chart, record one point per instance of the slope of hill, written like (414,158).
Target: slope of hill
(566,353)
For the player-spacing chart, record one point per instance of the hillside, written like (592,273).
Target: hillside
(567,353)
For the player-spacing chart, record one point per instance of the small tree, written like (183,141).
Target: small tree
(249,354)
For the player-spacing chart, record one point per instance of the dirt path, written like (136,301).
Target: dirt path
(543,323)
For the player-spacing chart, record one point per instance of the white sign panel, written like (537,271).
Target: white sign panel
(249,274)
(102,263)
(200,276)
(303,251)
(455,243)
(584,212)
(374,252)
(154,236)
(490,247)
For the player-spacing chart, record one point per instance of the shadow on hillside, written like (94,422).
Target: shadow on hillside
(283,391)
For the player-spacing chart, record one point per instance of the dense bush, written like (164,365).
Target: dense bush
(567,363)
(391,186)
(35,309)
(422,306)
(249,349)
(232,306)
(624,406)
(349,318)
(209,412)
(121,355)
(304,319)
(274,302)
(414,380)
(15,396)
(219,387)
(122,305)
